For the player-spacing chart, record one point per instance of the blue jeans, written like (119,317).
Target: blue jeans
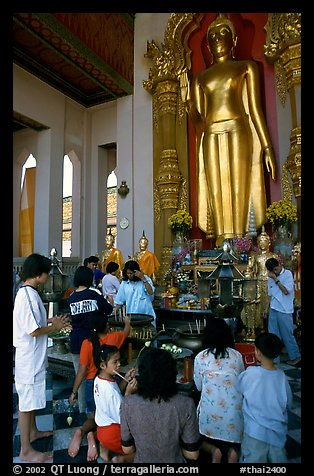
(89,392)
(281,324)
(256,451)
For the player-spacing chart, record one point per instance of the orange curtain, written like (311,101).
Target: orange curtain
(26,218)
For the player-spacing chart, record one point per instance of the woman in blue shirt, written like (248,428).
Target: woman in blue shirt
(136,291)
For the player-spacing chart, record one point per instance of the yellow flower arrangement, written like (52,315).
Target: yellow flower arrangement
(181,220)
(282,212)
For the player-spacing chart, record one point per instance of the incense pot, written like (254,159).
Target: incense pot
(183,337)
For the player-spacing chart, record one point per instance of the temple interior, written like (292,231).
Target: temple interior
(203,136)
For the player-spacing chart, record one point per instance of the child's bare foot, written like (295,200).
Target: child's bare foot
(34,456)
(75,444)
(36,435)
(216,455)
(92,453)
(232,456)
(213,451)
(104,453)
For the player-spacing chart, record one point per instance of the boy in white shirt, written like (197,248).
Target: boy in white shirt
(30,339)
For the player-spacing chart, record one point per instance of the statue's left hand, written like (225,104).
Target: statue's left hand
(270,162)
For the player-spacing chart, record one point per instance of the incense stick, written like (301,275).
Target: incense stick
(119,375)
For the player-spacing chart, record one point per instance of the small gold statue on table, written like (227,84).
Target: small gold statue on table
(262,255)
(147,260)
(112,254)
(248,314)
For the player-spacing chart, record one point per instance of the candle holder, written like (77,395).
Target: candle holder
(123,190)
(194,247)
(52,291)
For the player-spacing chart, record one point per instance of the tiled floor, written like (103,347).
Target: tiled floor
(54,416)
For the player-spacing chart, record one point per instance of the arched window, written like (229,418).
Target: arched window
(112,203)
(27,207)
(67,207)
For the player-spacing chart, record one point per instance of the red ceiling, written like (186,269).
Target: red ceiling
(87,56)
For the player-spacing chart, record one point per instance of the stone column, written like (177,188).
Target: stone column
(170,186)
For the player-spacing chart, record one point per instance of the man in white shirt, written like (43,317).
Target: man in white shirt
(280,320)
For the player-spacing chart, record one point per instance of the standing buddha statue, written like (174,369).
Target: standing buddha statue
(112,254)
(232,138)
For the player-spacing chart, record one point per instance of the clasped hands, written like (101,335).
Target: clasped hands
(60,321)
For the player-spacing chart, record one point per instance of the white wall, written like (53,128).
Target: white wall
(34,99)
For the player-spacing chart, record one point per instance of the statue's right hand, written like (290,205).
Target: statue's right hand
(270,162)
(184,86)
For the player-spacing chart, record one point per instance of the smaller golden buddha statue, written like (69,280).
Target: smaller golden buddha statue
(250,270)
(250,304)
(147,260)
(262,255)
(296,261)
(112,254)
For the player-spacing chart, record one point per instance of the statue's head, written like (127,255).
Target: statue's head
(143,242)
(220,27)
(220,20)
(263,240)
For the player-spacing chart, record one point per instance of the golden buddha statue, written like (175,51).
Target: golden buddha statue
(147,260)
(296,261)
(262,255)
(112,254)
(232,137)
(248,314)
(250,269)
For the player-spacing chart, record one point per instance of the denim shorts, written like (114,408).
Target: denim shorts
(89,392)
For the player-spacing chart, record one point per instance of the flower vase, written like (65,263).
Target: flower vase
(60,344)
(179,244)
(283,244)
(179,237)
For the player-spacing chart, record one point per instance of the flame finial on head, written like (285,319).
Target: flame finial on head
(222,19)
(143,237)
(263,234)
